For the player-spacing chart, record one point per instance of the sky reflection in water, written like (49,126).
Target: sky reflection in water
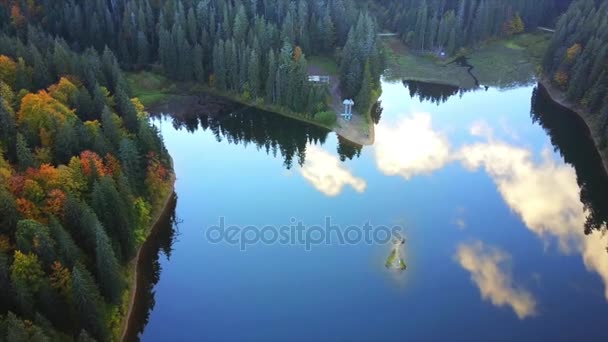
(493,218)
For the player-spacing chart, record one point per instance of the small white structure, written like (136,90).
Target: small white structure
(318,79)
(348,109)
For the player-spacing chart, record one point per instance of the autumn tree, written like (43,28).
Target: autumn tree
(27,277)
(8,70)
(34,237)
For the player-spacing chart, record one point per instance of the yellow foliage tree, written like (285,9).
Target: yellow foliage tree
(573,52)
(139,107)
(63,90)
(514,26)
(8,69)
(297,53)
(41,110)
(27,272)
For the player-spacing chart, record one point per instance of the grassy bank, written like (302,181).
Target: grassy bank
(150,88)
(499,63)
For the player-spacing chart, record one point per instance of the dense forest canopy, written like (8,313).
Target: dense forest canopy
(448,25)
(577,58)
(81,170)
(254,48)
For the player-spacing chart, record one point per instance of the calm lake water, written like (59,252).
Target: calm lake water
(489,197)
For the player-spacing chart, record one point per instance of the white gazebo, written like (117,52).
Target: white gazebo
(348,109)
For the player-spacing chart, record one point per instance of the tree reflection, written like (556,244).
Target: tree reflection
(240,125)
(148,269)
(432,92)
(348,149)
(570,136)
(376,112)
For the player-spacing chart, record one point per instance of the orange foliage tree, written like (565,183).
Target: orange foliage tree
(112,165)
(156,178)
(90,161)
(55,202)
(17,18)
(61,279)
(297,53)
(28,210)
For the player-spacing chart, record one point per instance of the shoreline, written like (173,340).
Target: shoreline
(559,97)
(355,131)
(345,129)
(135,262)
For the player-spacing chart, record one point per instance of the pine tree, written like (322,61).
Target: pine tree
(67,250)
(87,302)
(254,74)
(25,157)
(198,63)
(363,98)
(240,25)
(113,214)
(131,163)
(8,130)
(143,49)
(8,212)
(108,271)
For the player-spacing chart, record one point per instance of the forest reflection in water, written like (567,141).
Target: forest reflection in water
(571,138)
(275,134)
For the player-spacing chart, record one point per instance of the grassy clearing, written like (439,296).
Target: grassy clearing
(150,88)
(325,65)
(505,63)
(500,63)
(403,64)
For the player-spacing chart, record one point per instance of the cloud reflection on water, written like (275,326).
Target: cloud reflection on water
(544,193)
(411,147)
(489,268)
(327,174)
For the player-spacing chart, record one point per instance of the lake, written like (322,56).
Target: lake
(493,203)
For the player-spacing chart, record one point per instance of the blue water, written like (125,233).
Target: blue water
(492,218)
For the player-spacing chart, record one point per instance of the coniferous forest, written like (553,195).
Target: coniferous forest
(256,49)
(447,26)
(83,172)
(577,60)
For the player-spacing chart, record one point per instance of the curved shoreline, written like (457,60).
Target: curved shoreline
(135,262)
(559,97)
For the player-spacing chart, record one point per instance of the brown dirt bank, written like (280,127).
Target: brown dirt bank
(136,281)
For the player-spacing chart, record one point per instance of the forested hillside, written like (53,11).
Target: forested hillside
(577,63)
(448,25)
(81,171)
(252,48)
(577,59)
